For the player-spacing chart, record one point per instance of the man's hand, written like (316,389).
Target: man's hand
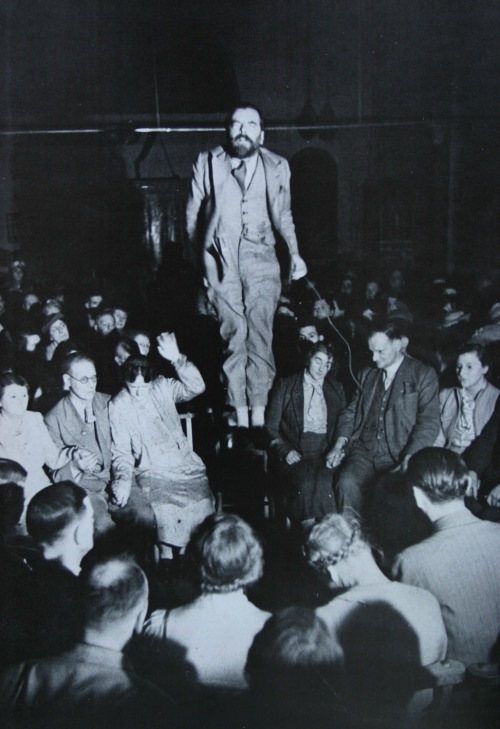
(293,457)
(401,467)
(299,268)
(120,492)
(85,461)
(336,455)
(473,484)
(493,497)
(167,346)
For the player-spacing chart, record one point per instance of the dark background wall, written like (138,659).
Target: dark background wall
(409,170)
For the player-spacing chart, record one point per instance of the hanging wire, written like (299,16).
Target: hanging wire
(157,113)
(330,321)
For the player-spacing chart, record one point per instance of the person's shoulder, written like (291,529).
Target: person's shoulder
(56,412)
(101,399)
(272,157)
(419,367)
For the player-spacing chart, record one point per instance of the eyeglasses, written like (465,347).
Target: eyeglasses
(85,380)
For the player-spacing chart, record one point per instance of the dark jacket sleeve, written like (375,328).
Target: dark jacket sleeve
(427,424)
(274,414)
(483,453)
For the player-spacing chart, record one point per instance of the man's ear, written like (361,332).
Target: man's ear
(141,617)
(404,344)
(261,138)
(420,498)
(66,382)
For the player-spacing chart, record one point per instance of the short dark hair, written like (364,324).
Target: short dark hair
(11,471)
(112,588)
(482,353)
(392,329)
(135,366)
(440,473)
(244,105)
(53,509)
(292,638)
(324,347)
(228,552)
(129,345)
(11,378)
(72,359)
(11,506)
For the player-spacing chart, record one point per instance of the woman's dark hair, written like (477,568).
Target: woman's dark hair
(440,473)
(136,366)
(323,347)
(481,352)
(11,378)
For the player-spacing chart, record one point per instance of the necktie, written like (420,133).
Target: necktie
(89,415)
(240,174)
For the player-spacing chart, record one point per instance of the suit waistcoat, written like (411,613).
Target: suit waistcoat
(373,435)
(245,215)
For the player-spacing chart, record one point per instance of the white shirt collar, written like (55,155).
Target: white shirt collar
(390,372)
(251,164)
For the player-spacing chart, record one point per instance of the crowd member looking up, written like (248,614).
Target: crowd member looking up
(80,419)
(55,330)
(142,339)
(217,629)
(394,413)
(300,421)
(459,562)
(125,348)
(373,647)
(465,410)
(243,194)
(148,443)
(24,437)
(92,684)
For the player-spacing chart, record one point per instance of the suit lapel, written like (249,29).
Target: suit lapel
(297,397)
(398,384)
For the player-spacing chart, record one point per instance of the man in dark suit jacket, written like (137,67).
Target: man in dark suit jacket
(81,419)
(301,429)
(394,413)
(239,200)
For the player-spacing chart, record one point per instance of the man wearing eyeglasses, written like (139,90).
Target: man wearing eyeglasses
(81,419)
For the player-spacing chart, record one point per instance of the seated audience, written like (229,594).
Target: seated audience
(337,548)
(217,629)
(148,442)
(24,437)
(55,330)
(120,314)
(91,684)
(394,413)
(483,457)
(300,421)
(81,420)
(489,333)
(293,672)
(459,562)
(465,410)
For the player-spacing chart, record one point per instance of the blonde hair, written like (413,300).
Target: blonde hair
(333,539)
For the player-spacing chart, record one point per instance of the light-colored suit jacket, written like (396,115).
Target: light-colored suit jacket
(210,173)
(411,417)
(67,429)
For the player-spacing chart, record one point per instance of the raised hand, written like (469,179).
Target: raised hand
(167,346)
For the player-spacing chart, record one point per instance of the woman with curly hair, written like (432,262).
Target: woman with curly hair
(217,629)
(386,632)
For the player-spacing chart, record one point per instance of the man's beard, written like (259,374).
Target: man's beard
(243,147)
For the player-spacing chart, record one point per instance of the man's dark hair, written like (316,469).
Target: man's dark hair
(244,105)
(324,347)
(129,345)
(53,509)
(11,471)
(392,329)
(72,359)
(112,588)
(11,507)
(440,473)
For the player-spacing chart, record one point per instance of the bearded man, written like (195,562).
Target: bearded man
(239,201)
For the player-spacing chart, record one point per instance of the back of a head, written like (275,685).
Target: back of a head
(12,472)
(293,670)
(334,538)
(113,590)
(440,473)
(11,507)
(53,509)
(228,552)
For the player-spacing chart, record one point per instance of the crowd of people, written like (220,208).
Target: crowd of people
(129,598)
